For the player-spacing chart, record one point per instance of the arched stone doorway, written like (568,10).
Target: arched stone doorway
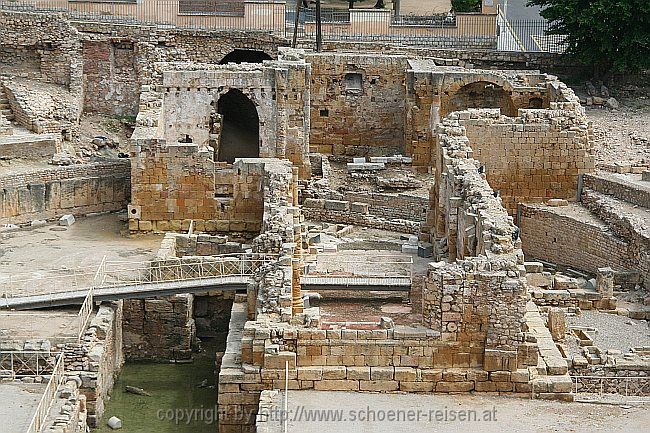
(240,131)
(243,55)
(480,94)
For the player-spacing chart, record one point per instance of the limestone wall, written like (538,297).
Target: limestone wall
(531,158)
(160,329)
(558,236)
(76,189)
(361,117)
(392,206)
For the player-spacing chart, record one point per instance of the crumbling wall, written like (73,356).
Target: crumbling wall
(47,37)
(357,104)
(76,189)
(97,359)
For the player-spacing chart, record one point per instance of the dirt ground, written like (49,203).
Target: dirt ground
(623,135)
(84,244)
(494,414)
(116,129)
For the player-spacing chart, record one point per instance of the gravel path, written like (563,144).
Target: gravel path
(614,332)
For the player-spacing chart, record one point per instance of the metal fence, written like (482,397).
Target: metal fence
(19,364)
(599,388)
(362,25)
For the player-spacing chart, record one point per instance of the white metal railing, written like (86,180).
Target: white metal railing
(599,387)
(51,390)
(19,364)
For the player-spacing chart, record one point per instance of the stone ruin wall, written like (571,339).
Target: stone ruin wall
(78,189)
(174,183)
(475,315)
(531,158)
(44,40)
(95,361)
(600,235)
(363,120)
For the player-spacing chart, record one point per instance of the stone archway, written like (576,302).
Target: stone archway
(240,130)
(480,94)
(245,55)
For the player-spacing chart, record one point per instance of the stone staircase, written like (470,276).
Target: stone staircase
(622,203)
(5,108)
(6,115)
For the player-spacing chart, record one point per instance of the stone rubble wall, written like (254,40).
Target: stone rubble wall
(69,411)
(392,206)
(47,39)
(619,187)
(550,234)
(77,189)
(44,109)
(95,362)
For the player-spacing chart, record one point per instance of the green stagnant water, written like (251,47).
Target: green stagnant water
(174,390)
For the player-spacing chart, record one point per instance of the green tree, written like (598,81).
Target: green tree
(466,5)
(610,35)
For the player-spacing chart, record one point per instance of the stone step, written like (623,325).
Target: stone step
(626,220)
(627,188)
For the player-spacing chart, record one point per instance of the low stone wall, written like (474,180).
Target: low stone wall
(559,235)
(29,147)
(96,361)
(619,187)
(77,189)
(344,212)
(68,410)
(392,206)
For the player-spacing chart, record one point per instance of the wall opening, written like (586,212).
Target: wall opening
(480,94)
(240,133)
(242,55)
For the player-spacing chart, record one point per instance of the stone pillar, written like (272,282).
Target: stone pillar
(605,282)
(297,305)
(557,324)
(605,286)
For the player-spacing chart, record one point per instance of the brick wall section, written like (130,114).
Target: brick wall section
(558,235)
(76,189)
(111,83)
(364,121)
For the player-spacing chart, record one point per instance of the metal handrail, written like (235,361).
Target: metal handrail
(46,402)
